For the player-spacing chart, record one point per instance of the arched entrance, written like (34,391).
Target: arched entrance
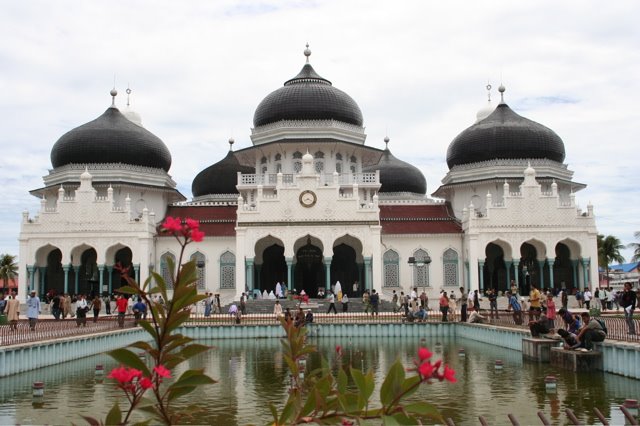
(54,276)
(495,269)
(529,267)
(122,260)
(89,275)
(273,269)
(563,276)
(309,272)
(344,267)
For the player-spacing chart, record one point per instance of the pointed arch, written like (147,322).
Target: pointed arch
(165,271)
(421,268)
(450,268)
(201,269)
(391,265)
(227,270)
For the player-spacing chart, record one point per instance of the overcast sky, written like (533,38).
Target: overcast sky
(418,70)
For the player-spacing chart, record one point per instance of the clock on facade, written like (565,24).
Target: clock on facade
(308,198)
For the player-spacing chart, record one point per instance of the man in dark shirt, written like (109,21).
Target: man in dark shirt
(628,303)
(375,302)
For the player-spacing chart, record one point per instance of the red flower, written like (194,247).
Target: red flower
(162,371)
(172,224)
(339,349)
(449,374)
(197,235)
(192,223)
(424,353)
(146,383)
(124,375)
(425,370)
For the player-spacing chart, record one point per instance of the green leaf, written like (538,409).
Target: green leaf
(128,358)
(274,413)
(342,381)
(424,409)
(126,289)
(287,411)
(361,383)
(148,328)
(115,416)
(92,421)
(392,385)
(192,378)
(410,385)
(398,419)
(193,350)
(178,392)
(141,345)
(309,405)
(143,423)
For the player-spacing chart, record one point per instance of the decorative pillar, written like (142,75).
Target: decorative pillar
(481,272)
(256,279)
(541,275)
(574,269)
(551,262)
(516,273)
(585,269)
(101,280)
(508,264)
(66,268)
(289,261)
(248,263)
(327,272)
(32,273)
(136,269)
(367,273)
(110,273)
(77,277)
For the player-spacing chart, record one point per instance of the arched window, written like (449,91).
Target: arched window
(354,159)
(450,267)
(228,270)
(318,154)
(339,157)
(201,270)
(319,166)
(278,157)
(421,269)
(264,170)
(391,262)
(263,160)
(278,167)
(297,154)
(339,167)
(297,166)
(164,269)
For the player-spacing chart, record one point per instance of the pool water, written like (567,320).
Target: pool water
(251,374)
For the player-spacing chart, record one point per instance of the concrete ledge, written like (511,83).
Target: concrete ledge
(576,360)
(538,349)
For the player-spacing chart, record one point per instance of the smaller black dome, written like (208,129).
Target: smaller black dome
(111,138)
(221,177)
(307,96)
(398,176)
(505,135)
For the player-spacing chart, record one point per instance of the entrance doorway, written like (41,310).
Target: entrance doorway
(273,268)
(344,267)
(309,272)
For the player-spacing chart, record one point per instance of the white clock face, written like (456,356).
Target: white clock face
(308,198)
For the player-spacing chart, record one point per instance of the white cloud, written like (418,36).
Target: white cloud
(417,69)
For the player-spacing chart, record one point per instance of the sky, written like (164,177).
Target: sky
(417,69)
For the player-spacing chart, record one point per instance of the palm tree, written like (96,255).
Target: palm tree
(609,251)
(8,269)
(635,247)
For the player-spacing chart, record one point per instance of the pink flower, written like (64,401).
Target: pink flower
(449,374)
(197,235)
(424,353)
(426,370)
(172,224)
(192,223)
(162,371)
(124,375)
(146,383)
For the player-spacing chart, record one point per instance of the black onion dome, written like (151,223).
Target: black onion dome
(505,135)
(397,175)
(307,96)
(221,177)
(111,138)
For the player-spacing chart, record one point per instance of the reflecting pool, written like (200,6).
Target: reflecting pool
(252,374)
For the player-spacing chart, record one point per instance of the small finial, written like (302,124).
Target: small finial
(307,52)
(113,94)
(231,142)
(489,91)
(128,95)
(386,142)
(501,89)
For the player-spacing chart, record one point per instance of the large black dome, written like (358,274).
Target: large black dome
(398,176)
(220,178)
(111,138)
(505,135)
(307,96)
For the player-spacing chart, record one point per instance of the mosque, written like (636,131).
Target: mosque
(310,204)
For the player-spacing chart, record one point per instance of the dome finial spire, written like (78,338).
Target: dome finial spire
(488,87)
(501,89)
(231,142)
(307,52)
(386,143)
(128,95)
(113,94)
